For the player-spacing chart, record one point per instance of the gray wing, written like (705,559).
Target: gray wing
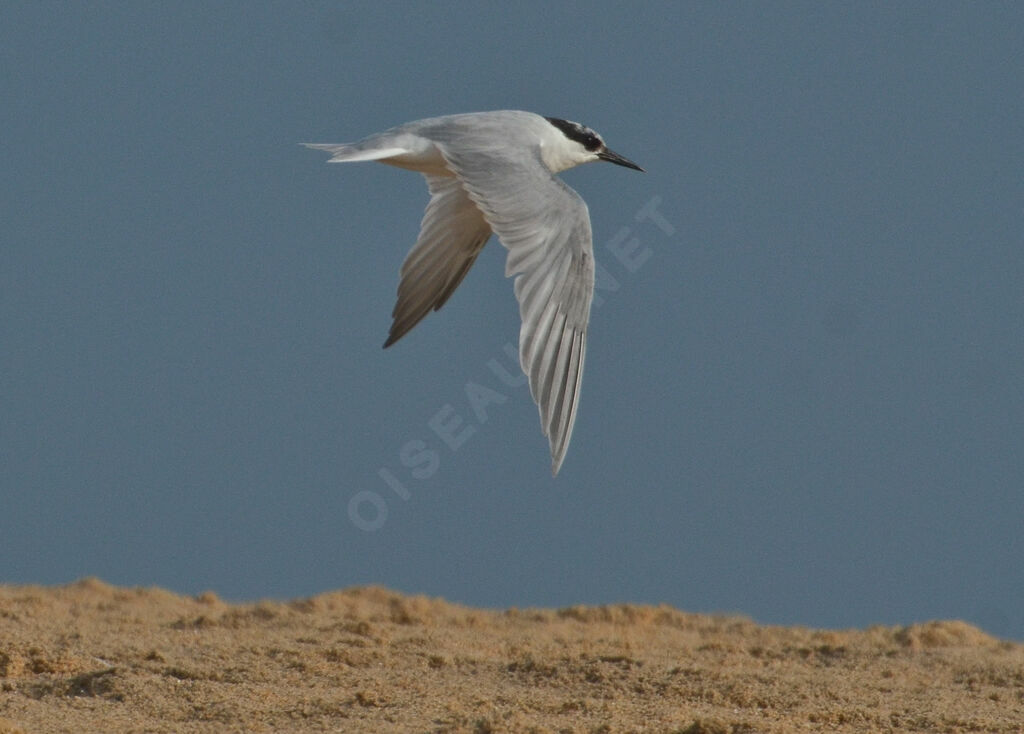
(451,236)
(545,226)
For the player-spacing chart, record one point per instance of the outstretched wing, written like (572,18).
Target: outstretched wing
(545,226)
(451,236)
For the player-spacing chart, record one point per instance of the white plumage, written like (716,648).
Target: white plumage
(494,172)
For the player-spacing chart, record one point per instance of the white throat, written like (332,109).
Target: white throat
(560,154)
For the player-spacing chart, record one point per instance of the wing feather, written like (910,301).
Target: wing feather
(451,236)
(545,226)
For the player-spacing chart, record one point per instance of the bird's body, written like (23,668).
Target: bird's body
(493,172)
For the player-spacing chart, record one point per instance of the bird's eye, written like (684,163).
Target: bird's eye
(592,143)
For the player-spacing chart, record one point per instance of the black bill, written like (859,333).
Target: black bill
(607,155)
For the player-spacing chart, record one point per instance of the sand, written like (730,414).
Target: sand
(90,657)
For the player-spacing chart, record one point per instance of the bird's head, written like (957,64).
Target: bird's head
(579,144)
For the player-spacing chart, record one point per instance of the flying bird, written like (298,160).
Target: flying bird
(494,172)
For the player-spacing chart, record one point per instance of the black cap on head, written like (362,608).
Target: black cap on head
(580,133)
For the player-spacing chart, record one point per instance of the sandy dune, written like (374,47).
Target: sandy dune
(90,657)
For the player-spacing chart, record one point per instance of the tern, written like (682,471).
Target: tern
(494,172)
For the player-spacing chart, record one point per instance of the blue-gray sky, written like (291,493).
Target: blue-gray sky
(804,391)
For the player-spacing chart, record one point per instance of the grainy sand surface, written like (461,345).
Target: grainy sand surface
(90,657)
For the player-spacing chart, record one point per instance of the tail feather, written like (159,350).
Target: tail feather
(341,153)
